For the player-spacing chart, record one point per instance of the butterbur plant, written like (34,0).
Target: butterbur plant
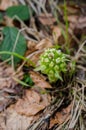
(53,63)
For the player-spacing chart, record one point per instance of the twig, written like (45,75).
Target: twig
(80,48)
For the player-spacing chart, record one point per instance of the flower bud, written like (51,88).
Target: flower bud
(53,63)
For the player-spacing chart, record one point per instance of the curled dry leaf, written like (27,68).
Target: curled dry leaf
(8,21)
(73,9)
(39,80)
(43,34)
(62,116)
(56,33)
(32,103)
(5,83)
(81,22)
(44,44)
(31,47)
(4,101)
(11,120)
(2,122)
(77,22)
(46,19)
(34,57)
(73,18)
(4,4)
(7,78)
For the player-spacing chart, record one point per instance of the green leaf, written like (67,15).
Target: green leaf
(20,82)
(12,36)
(28,80)
(1,17)
(22,11)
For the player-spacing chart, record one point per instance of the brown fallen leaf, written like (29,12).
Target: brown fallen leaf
(78,22)
(73,9)
(2,122)
(39,80)
(61,117)
(34,57)
(4,100)
(38,50)
(4,4)
(56,33)
(73,18)
(11,120)
(31,47)
(8,21)
(81,22)
(44,44)
(46,19)
(6,76)
(5,71)
(32,103)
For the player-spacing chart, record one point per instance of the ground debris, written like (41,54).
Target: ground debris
(32,100)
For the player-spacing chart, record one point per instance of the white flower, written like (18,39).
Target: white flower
(59,51)
(51,55)
(46,60)
(43,67)
(51,64)
(56,67)
(51,72)
(58,60)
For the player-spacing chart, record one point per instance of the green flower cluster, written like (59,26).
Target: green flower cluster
(52,63)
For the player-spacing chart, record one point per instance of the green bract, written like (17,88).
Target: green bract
(52,63)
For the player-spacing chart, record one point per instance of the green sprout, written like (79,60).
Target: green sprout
(27,80)
(53,63)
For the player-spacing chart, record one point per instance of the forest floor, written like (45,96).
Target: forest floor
(28,100)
